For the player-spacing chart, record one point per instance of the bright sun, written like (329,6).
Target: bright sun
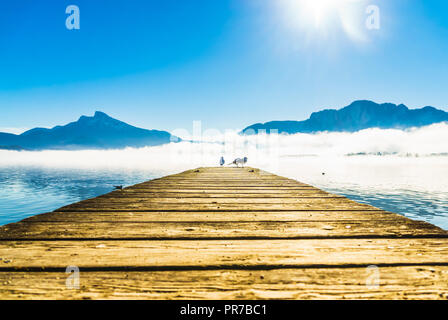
(320,16)
(318,9)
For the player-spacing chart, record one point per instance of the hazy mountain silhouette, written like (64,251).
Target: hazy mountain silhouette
(97,132)
(359,115)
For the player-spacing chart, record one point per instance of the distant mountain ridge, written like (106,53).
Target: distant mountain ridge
(359,115)
(97,132)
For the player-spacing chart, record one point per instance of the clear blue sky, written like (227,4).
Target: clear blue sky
(230,63)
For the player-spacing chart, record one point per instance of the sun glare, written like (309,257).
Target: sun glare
(318,9)
(321,16)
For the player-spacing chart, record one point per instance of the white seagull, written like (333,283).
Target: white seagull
(239,161)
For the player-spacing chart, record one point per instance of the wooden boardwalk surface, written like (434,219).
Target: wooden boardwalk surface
(223,233)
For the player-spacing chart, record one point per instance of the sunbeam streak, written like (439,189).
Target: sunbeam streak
(322,18)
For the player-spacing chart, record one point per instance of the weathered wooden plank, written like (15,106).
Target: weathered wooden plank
(172,195)
(236,175)
(317,205)
(234,189)
(222,178)
(412,282)
(210,216)
(222,204)
(219,230)
(105,201)
(219,200)
(234,195)
(224,192)
(217,183)
(232,254)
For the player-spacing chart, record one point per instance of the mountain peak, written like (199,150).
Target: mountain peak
(362,102)
(97,115)
(100,114)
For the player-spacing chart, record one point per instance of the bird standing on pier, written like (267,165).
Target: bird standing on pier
(221,161)
(239,161)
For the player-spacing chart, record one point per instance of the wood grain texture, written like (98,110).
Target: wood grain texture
(421,282)
(221,253)
(220,229)
(214,205)
(222,233)
(211,216)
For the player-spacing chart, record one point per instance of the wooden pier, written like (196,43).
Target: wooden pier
(223,233)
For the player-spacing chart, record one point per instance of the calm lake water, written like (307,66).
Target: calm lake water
(417,188)
(28,191)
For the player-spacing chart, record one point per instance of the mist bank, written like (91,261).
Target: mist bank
(262,150)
